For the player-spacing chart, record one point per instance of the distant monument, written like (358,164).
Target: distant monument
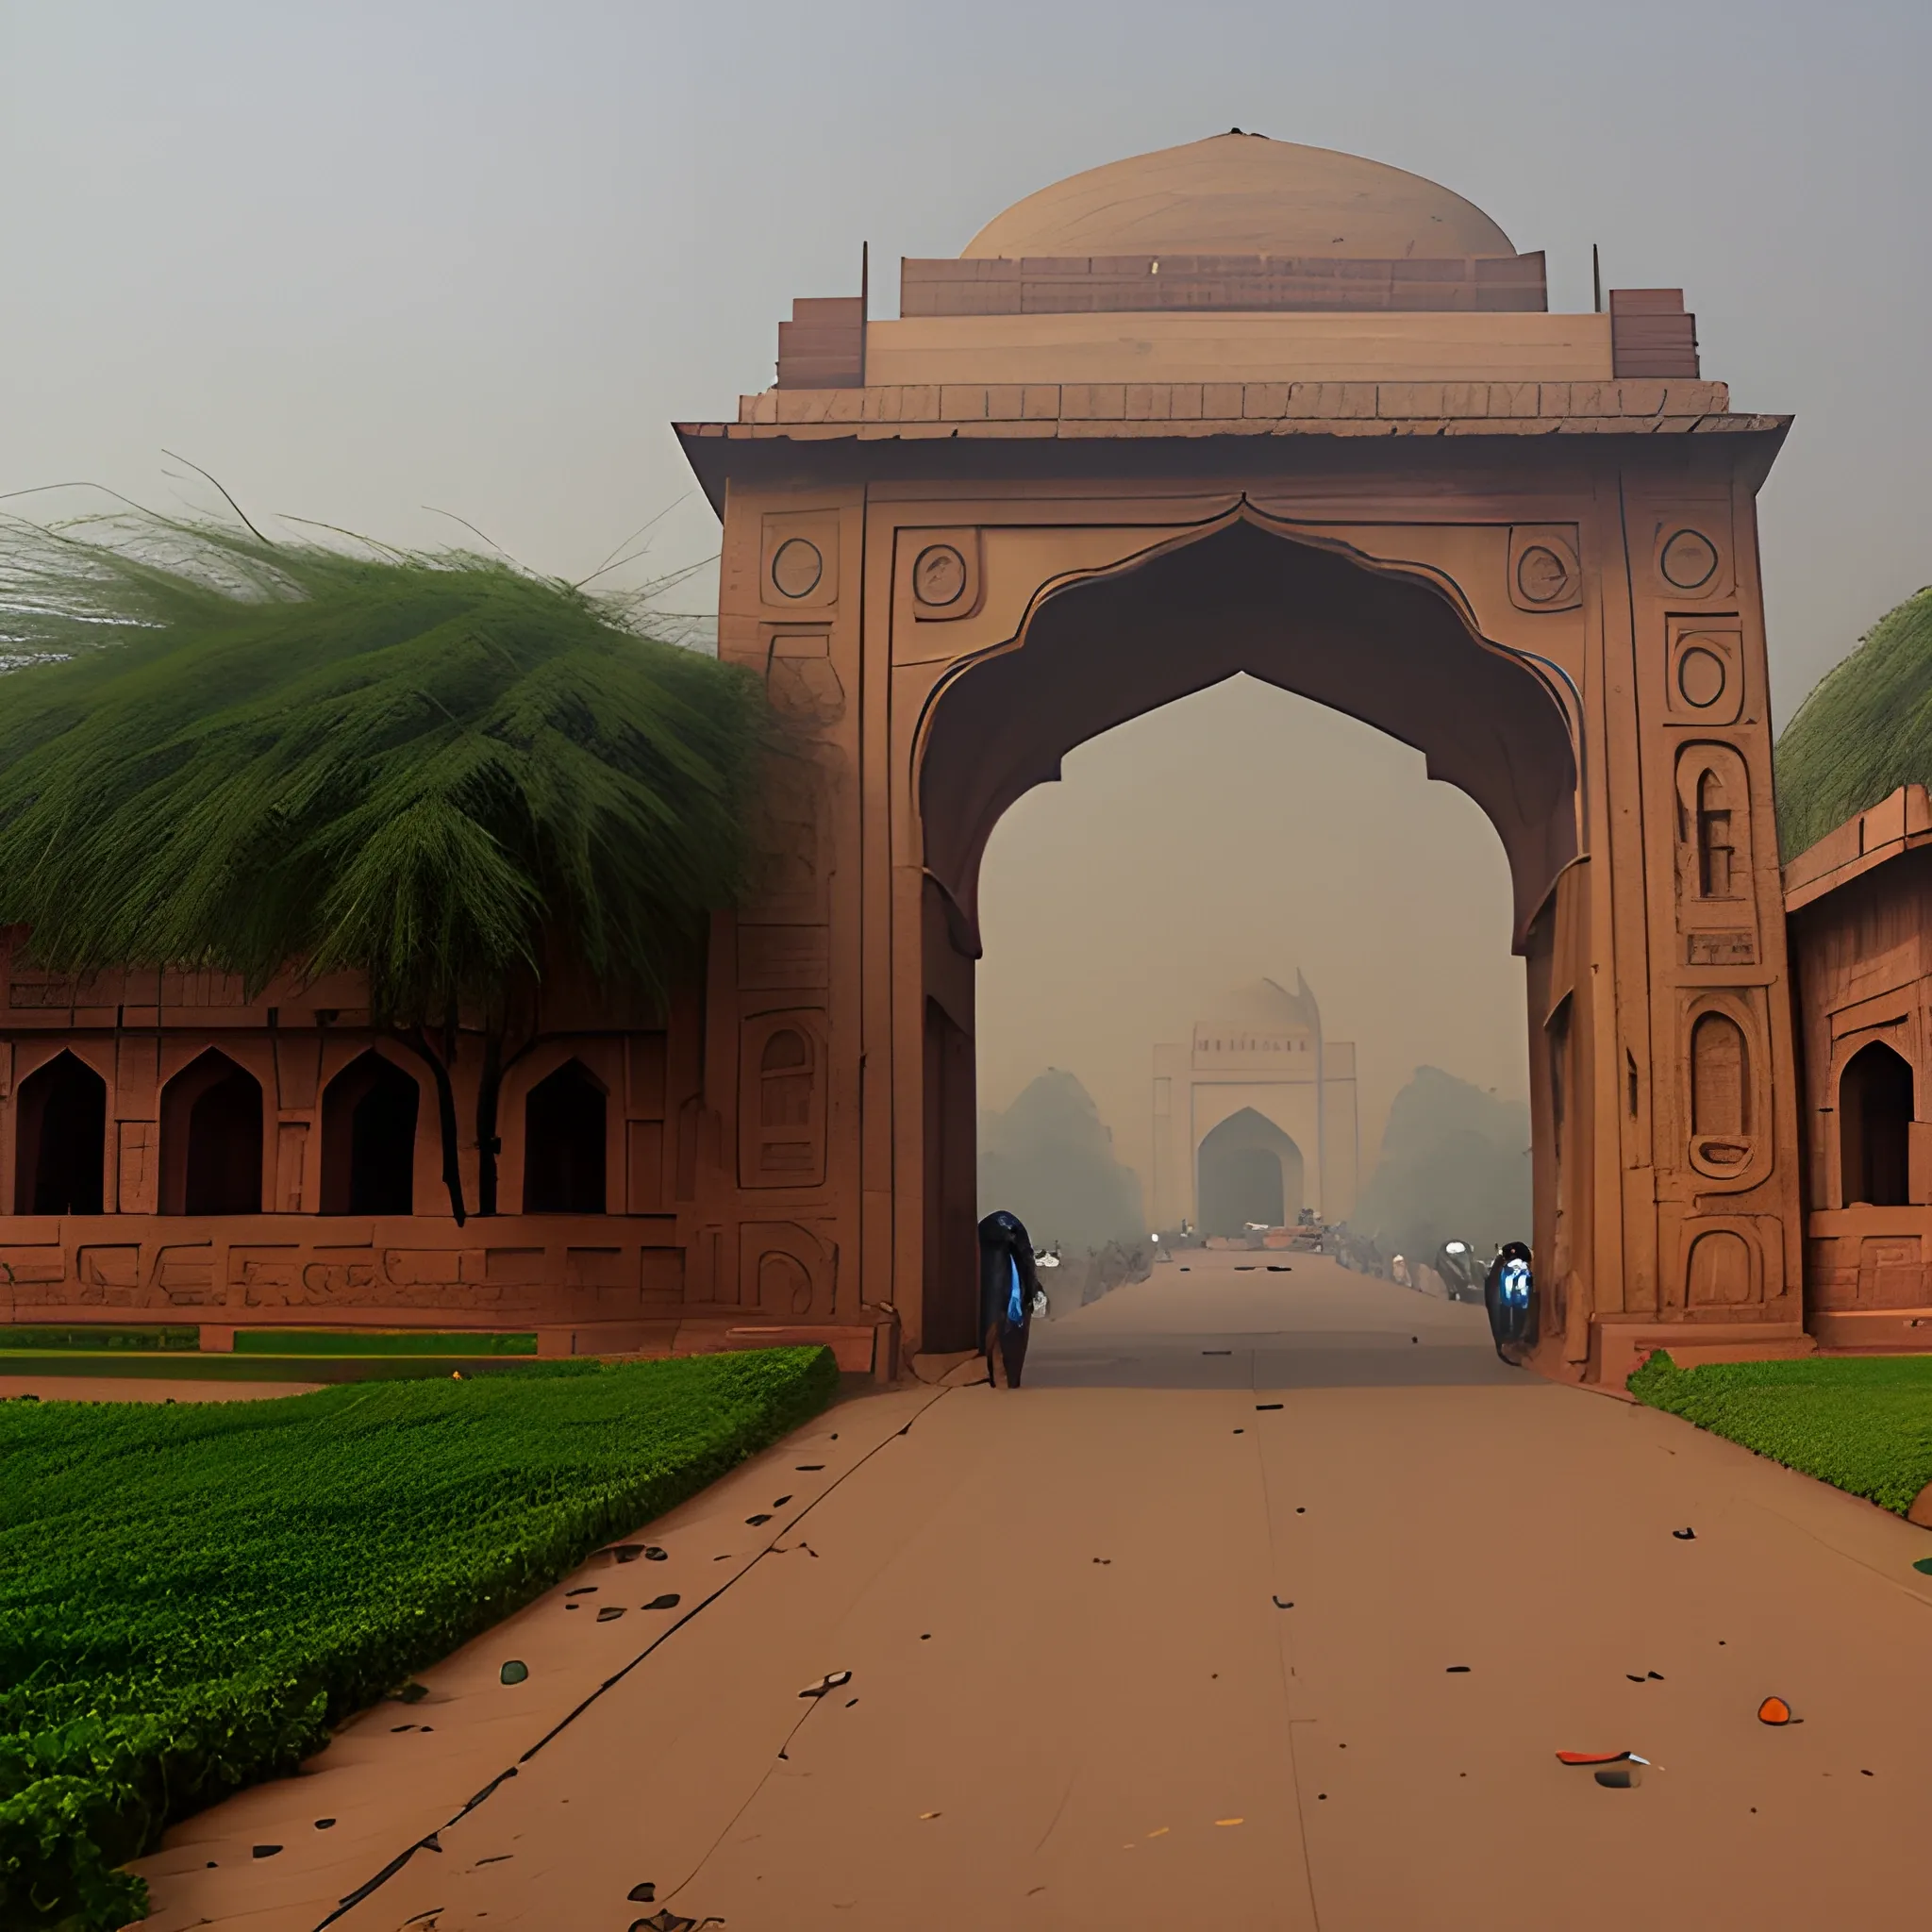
(1255,1118)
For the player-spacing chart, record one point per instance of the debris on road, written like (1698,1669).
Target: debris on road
(667,1601)
(1775,1710)
(832,1681)
(645,1895)
(610,1613)
(1267,1405)
(1685,1535)
(514,1671)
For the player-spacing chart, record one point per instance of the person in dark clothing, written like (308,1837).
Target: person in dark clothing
(1009,1284)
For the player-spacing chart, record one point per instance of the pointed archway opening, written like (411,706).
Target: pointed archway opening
(368,1138)
(60,1155)
(1875,1125)
(211,1135)
(1390,649)
(1248,1174)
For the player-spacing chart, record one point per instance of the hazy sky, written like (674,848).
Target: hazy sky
(361,258)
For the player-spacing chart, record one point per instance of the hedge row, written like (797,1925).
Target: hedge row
(1860,1422)
(193,1594)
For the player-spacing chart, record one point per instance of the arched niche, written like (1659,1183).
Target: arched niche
(781,1110)
(60,1139)
(1720,1272)
(211,1139)
(369,1117)
(1875,1125)
(1722,1126)
(1714,857)
(566,1150)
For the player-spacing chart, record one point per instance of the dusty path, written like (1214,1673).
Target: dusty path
(1070,1673)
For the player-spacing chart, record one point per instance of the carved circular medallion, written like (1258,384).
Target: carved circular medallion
(797,567)
(1541,576)
(939,576)
(1701,676)
(1688,561)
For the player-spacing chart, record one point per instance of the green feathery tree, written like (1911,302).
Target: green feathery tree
(1865,730)
(436,770)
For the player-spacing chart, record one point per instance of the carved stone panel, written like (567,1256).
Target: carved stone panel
(787,1271)
(1717,909)
(1892,1273)
(1704,670)
(1723,1128)
(1544,571)
(1691,550)
(943,568)
(1722,1270)
(798,555)
(802,682)
(781,1100)
(139,1167)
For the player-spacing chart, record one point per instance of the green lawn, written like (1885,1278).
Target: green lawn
(260,1354)
(192,1594)
(1861,1422)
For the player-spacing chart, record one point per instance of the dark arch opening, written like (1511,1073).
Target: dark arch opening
(211,1140)
(1388,649)
(563,1143)
(1247,1170)
(61,1129)
(1874,1122)
(368,1138)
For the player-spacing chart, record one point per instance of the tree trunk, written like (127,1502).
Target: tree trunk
(418,1043)
(489,1145)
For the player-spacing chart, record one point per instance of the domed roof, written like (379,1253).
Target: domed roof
(1242,194)
(1265,1005)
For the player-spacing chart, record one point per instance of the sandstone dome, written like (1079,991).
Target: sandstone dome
(1242,194)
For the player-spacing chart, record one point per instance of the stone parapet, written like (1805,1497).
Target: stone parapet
(1239,408)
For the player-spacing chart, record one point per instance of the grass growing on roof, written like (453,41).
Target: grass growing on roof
(1860,1423)
(192,1595)
(439,772)
(1865,730)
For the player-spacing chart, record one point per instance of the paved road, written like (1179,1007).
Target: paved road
(1282,1638)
